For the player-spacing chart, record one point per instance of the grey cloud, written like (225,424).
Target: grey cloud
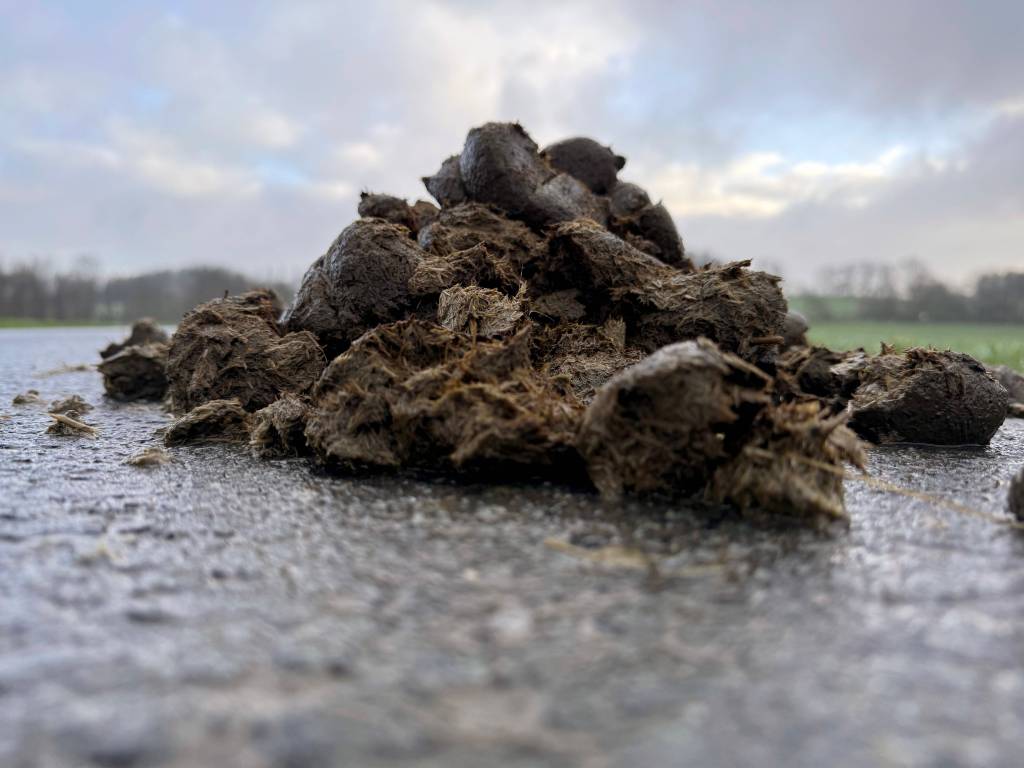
(960,221)
(874,54)
(241,88)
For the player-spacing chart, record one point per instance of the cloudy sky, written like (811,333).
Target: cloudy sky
(799,134)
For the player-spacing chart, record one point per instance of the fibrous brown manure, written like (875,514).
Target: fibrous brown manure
(691,419)
(742,310)
(920,396)
(845,375)
(474,266)
(511,244)
(279,429)
(664,424)
(220,421)
(144,331)
(446,185)
(584,355)
(234,348)
(414,394)
(791,464)
(70,424)
(71,403)
(483,312)
(1011,380)
(136,373)
(817,373)
(497,199)
(1016,497)
(927,396)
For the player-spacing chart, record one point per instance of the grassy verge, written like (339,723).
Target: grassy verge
(840,309)
(991,344)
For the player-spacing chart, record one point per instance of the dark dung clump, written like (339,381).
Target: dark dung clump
(234,348)
(361,282)
(927,396)
(397,211)
(144,331)
(587,160)
(136,373)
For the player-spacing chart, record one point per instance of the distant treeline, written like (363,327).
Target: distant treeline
(27,291)
(908,293)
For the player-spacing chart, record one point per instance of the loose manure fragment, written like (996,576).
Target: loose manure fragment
(149,457)
(222,421)
(69,424)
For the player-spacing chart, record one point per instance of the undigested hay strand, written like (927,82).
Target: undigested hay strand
(884,485)
(80,426)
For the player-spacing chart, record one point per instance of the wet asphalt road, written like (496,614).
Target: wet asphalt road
(225,611)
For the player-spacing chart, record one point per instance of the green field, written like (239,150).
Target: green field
(837,308)
(989,343)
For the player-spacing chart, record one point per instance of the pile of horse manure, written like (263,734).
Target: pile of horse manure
(544,321)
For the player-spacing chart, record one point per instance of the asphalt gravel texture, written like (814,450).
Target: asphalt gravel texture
(221,610)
